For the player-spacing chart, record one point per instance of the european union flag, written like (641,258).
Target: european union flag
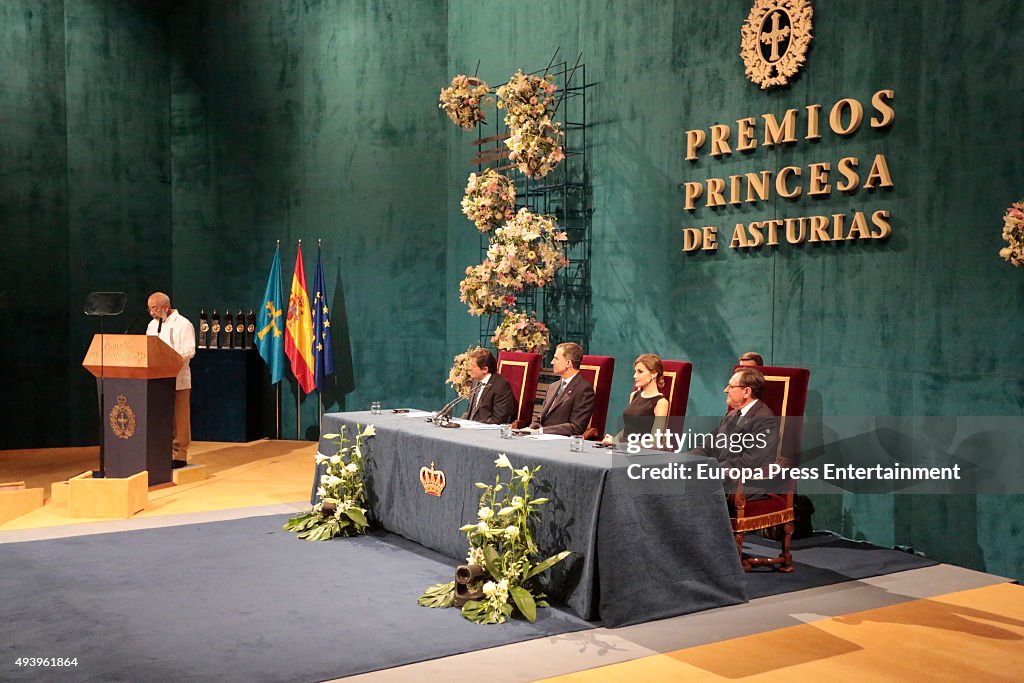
(270,323)
(323,350)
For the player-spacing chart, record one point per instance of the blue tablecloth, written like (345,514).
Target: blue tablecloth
(641,551)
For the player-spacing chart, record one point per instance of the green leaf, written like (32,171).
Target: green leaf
(548,563)
(492,562)
(524,601)
(438,595)
(357,516)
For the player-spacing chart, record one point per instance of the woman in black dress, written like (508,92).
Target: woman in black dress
(647,409)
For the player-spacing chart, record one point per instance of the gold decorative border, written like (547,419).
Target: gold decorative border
(525,364)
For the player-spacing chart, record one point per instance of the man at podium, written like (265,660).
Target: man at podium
(177,332)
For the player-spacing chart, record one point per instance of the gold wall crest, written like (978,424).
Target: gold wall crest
(775,38)
(433,480)
(122,419)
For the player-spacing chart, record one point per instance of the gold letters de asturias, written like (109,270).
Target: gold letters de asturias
(848,175)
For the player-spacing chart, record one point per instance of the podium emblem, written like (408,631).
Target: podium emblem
(433,480)
(122,419)
(775,38)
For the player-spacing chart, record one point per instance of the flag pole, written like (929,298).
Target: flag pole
(277,392)
(298,392)
(319,390)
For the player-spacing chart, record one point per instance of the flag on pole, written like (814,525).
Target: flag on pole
(269,326)
(298,334)
(323,351)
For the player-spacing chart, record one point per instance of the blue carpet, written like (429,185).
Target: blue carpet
(243,600)
(823,559)
(235,601)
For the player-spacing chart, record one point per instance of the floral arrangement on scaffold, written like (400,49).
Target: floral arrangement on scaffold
(521,331)
(463,101)
(535,140)
(341,509)
(1013,233)
(480,292)
(490,199)
(502,553)
(458,376)
(527,251)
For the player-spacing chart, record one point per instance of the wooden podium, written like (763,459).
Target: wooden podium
(138,411)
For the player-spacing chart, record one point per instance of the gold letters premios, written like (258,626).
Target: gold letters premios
(790,182)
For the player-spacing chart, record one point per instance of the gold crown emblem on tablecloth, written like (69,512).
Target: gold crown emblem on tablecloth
(122,419)
(433,480)
(775,39)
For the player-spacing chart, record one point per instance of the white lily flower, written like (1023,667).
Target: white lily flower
(320,457)
(511,532)
(503,461)
(517,501)
(482,527)
(490,587)
(369,431)
(335,459)
(485,513)
(351,467)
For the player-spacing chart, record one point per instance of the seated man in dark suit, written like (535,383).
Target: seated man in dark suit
(748,434)
(490,397)
(570,402)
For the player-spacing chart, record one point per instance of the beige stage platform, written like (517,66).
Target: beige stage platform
(255,474)
(937,623)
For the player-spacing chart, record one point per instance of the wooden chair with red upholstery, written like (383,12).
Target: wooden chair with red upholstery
(677,390)
(598,370)
(522,370)
(785,392)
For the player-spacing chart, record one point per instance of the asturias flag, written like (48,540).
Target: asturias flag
(298,334)
(323,351)
(269,325)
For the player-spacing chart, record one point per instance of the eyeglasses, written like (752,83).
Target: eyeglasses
(734,386)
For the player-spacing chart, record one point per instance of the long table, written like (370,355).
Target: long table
(641,551)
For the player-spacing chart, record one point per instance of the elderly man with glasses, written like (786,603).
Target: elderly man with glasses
(748,434)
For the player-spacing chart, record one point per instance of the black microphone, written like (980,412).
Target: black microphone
(159,325)
(131,325)
(450,406)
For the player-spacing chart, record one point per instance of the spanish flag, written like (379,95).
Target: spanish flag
(298,333)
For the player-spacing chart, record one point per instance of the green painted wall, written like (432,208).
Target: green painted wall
(147,148)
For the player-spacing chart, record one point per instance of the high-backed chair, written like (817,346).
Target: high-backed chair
(522,370)
(785,392)
(598,370)
(677,390)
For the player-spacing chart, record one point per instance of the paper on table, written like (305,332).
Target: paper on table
(469,424)
(546,437)
(417,413)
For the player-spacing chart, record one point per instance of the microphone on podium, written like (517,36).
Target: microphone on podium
(444,415)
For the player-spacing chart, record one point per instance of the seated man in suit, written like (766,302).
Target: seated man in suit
(570,402)
(751,359)
(748,434)
(490,398)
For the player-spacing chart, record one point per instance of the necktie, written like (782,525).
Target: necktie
(476,400)
(561,387)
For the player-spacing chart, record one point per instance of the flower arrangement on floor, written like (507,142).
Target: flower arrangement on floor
(341,510)
(1013,233)
(490,199)
(535,140)
(458,376)
(502,553)
(526,251)
(463,101)
(519,330)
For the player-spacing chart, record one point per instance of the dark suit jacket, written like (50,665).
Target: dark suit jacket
(760,421)
(570,413)
(497,404)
